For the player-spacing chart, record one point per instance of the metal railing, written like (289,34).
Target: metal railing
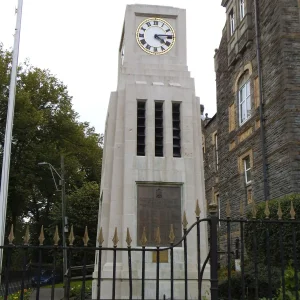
(257,249)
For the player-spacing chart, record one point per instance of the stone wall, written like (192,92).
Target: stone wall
(280,63)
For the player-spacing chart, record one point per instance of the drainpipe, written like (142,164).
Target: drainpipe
(261,102)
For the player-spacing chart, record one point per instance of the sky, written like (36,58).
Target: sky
(78,42)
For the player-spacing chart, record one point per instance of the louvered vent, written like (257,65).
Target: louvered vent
(176,129)
(159,130)
(141,128)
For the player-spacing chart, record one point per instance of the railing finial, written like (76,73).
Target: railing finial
(172,235)
(292,211)
(279,212)
(267,210)
(213,207)
(71,236)
(11,236)
(198,210)
(144,238)
(128,238)
(157,237)
(42,236)
(85,237)
(100,237)
(184,221)
(56,236)
(254,210)
(26,236)
(115,238)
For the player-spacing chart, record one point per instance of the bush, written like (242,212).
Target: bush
(290,285)
(76,289)
(249,282)
(17,295)
(260,230)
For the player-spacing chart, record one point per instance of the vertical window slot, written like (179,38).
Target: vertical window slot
(141,128)
(159,130)
(176,130)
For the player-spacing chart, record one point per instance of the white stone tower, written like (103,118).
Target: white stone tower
(152,169)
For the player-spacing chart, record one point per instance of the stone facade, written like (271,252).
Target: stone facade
(145,80)
(240,143)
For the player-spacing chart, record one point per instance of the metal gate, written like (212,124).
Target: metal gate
(234,245)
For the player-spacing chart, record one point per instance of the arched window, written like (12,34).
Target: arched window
(244,97)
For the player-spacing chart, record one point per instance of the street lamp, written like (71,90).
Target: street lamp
(63,209)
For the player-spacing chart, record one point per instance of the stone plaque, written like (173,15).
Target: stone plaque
(158,206)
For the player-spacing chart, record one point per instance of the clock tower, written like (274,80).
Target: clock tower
(152,168)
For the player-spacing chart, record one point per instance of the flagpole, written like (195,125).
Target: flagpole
(8,131)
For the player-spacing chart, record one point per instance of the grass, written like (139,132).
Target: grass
(73,284)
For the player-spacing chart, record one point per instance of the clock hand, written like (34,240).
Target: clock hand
(167,35)
(156,36)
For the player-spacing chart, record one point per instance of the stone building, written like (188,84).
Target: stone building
(252,144)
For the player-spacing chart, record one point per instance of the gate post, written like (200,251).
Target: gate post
(213,210)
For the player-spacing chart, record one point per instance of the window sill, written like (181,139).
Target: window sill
(242,124)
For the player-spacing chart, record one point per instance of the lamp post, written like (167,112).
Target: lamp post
(63,206)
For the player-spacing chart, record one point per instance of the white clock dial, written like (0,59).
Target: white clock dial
(155,36)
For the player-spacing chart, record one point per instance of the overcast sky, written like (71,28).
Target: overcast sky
(78,42)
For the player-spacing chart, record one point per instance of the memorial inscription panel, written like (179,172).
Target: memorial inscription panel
(158,206)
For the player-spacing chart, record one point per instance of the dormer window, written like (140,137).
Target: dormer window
(242,9)
(231,22)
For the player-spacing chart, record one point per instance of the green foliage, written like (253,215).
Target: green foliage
(270,234)
(250,282)
(82,210)
(17,295)
(45,127)
(290,285)
(75,290)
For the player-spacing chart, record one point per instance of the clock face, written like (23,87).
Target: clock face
(155,36)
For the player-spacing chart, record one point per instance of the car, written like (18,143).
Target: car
(46,277)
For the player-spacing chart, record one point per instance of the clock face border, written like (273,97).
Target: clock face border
(163,21)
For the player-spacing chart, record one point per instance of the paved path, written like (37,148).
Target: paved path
(45,294)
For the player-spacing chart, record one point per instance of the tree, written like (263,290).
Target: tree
(45,126)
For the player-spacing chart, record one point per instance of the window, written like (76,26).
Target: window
(176,129)
(247,169)
(216,152)
(231,22)
(244,97)
(159,130)
(242,9)
(245,166)
(141,126)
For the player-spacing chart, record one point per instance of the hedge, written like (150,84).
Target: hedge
(259,231)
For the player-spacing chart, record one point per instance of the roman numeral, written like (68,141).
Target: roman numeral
(148,24)
(155,22)
(141,35)
(162,48)
(143,42)
(155,49)
(148,47)
(168,30)
(142,28)
(167,43)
